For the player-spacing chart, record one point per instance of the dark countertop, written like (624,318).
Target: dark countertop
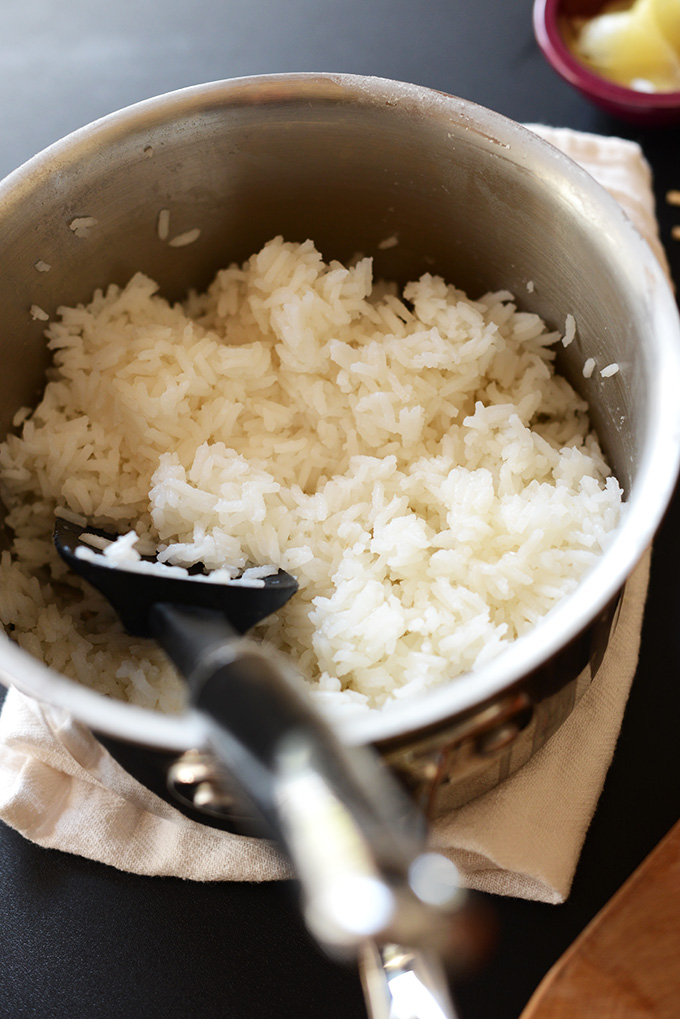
(79,940)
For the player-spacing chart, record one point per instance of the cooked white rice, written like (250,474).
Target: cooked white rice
(412,459)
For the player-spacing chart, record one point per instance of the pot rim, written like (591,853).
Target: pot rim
(654,483)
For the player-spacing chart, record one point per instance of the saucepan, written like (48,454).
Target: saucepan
(425,183)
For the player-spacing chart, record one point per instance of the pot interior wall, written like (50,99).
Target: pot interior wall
(349,174)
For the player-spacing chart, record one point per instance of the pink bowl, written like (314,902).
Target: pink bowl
(653,109)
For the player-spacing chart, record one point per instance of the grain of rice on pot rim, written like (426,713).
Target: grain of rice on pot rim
(411,458)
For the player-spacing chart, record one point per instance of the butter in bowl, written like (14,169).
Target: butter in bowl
(623,56)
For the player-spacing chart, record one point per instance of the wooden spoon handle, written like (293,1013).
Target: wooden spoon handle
(626,963)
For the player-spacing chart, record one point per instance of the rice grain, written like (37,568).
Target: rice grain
(411,457)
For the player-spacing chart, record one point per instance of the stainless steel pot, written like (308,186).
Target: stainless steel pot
(349,162)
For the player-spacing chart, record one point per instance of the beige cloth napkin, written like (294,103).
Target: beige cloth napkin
(62,790)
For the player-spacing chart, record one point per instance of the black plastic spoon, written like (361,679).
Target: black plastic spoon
(354,837)
(133,594)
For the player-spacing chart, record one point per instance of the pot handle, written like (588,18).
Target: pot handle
(402,982)
(353,835)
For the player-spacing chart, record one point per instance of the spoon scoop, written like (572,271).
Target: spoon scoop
(134,588)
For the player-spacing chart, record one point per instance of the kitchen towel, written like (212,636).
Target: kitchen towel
(62,790)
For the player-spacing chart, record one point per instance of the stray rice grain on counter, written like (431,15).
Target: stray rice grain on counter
(412,458)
